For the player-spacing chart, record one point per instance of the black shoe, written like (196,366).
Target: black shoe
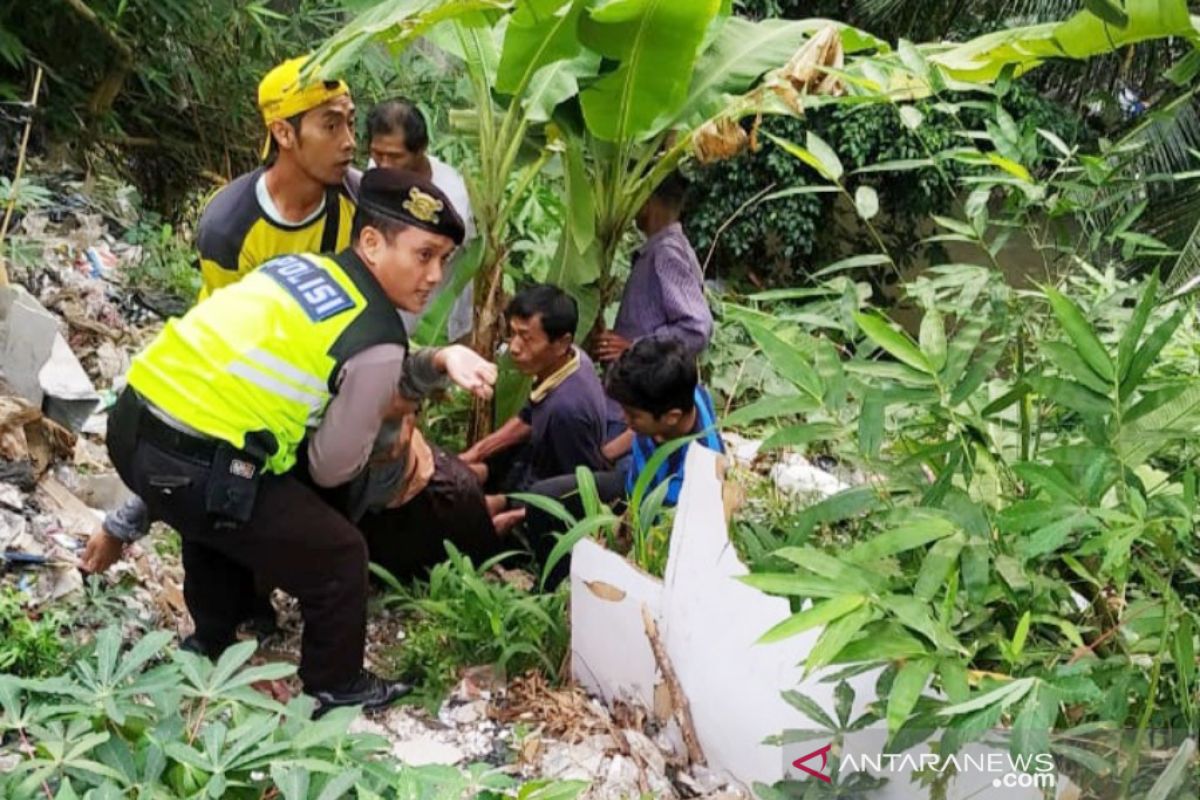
(202,647)
(262,626)
(367,690)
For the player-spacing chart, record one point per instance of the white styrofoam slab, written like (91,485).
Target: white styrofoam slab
(610,654)
(710,623)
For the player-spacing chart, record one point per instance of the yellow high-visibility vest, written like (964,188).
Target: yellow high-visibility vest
(254,365)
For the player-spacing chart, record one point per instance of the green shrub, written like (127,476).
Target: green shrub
(31,645)
(462,617)
(151,723)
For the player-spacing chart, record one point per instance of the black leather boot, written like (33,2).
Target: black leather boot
(367,690)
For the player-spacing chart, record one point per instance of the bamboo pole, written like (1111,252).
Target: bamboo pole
(16,181)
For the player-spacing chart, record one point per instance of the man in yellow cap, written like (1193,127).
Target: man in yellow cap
(299,201)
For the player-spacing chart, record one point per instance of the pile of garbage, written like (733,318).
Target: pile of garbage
(67,327)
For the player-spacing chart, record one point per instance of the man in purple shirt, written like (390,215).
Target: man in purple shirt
(663,297)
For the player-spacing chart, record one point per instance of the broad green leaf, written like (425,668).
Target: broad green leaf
(870,424)
(818,614)
(794,584)
(831,165)
(539,33)
(1081,333)
(836,636)
(786,359)
(961,348)
(742,52)
(911,117)
(801,434)
(853,262)
(954,680)
(976,373)
(1055,140)
(1082,36)
(957,226)
(866,202)
(1074,396)
(1071,364)
(1053,536)
(852,577)
(1011,167)
(1177,418)
(581,200)
(1017,646)
(906,690)
(898,344)
(898,540)
(398,23)
(1109,11)
(568,540)
(809,708)
(914,613)
(835,508)
(770,407)
(899,165)
(1031,729)
(938,563)
(576,272)
(933,339)
(556,83)
(1004,696)
(655,44)
(1176,772)
(884,640)
(1147,354)
(805,155)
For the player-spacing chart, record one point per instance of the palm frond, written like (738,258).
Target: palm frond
(1187,268)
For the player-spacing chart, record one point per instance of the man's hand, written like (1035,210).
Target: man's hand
(609,346)
(102,551)
(505,521)
(467,369)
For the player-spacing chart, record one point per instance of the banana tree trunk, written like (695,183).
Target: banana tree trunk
(488,331)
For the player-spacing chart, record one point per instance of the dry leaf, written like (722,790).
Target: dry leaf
(605,591)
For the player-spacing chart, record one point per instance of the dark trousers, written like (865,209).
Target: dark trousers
(409,540)
(292,540)
(543,528)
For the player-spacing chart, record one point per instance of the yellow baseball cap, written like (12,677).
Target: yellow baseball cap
(283,94)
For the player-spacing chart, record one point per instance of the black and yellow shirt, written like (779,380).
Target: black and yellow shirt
(237,233)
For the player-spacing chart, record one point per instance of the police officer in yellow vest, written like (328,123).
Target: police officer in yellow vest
(218,404)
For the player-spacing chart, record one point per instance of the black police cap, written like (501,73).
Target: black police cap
(407,197)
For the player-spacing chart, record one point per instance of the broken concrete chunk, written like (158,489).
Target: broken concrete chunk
(419,752)
(799,477)
(27,335)
(11,496)
(70,397)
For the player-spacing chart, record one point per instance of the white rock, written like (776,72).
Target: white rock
(464,713)
(743,450)
(796,475)
(646,751)
(708,780)
(418,752)
(11,496)
(563,761)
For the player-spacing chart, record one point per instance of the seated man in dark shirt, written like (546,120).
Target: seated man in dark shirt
(655,381)
(563,424)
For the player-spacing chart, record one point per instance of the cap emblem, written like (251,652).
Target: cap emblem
(422,206)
